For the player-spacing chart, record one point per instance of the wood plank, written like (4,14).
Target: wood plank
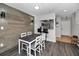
(52,49)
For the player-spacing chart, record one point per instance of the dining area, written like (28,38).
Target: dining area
(32,44)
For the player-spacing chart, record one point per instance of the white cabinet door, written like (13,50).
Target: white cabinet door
(43,36)
(51,36)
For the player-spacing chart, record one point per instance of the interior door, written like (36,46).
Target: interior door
(65,27)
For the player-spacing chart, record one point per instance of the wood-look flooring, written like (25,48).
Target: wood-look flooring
(64,39)
(52,49)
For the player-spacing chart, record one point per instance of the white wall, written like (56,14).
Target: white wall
(37,24)
(58,26)
(64,26)
(75,23)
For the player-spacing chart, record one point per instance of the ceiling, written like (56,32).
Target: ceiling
(45,8)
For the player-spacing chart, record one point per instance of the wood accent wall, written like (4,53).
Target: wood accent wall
(17,22)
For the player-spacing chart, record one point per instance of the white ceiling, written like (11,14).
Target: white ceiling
(46,8)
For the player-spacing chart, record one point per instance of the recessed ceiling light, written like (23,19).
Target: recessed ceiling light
(36,7)
(65,10)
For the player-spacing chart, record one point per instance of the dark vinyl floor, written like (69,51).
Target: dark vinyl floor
(52,49)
